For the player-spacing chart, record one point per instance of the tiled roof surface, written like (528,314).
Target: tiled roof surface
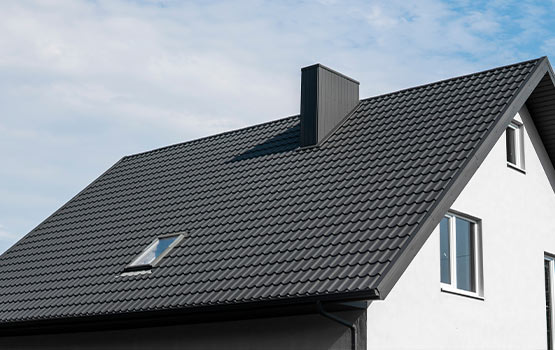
(263,219)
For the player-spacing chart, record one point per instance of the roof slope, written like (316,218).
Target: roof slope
(264,219)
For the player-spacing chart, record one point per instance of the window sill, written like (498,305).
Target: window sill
(451,290)
(515,167)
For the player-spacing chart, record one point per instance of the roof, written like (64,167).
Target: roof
(264,219)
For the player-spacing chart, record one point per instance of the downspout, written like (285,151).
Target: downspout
(339,320)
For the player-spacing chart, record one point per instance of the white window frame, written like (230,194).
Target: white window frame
(519,145)
(551,260)
(478,260)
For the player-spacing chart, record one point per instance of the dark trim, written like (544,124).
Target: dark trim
(416,240)
(514,167)
(316,65)
(133,268)
(453,292)
(361,305)
(352,327)
(202,314)
(453,78)
(309,107)
(550,70)
(541,107)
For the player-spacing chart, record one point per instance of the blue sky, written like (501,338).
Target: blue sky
(84,83)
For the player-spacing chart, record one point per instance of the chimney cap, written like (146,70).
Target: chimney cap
(319,65)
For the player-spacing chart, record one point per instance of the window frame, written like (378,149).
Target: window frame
(518,129)
(477,259)
(132,267)
(550,327)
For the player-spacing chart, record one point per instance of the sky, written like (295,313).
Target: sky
(83,83)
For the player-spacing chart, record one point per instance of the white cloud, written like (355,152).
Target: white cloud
(86,82)
(5,235)
(549,46)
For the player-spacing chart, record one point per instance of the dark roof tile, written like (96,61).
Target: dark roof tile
(263,218)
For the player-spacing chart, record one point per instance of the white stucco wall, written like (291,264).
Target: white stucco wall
(518,226)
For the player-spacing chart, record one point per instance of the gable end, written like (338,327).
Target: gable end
(539,84)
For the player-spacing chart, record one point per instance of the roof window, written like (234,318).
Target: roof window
(515,145)
(154,252)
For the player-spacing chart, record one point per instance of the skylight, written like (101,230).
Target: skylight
(154,252)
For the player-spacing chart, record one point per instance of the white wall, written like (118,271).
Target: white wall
(518,226)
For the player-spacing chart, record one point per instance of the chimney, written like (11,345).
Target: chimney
(327,97)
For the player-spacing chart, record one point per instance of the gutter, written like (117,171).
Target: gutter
(184,315)
(341,321)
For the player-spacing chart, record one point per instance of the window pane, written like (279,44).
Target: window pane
(465,255)
(154,251)
(511,146)
(163,244)
(444,251)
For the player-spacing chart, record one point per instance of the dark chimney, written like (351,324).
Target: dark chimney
(326,98)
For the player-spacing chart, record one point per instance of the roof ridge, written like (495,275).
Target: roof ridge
(454,78)
(204,138)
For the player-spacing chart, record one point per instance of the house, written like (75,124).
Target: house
(419,219)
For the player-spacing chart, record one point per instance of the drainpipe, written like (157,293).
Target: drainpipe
(332,317)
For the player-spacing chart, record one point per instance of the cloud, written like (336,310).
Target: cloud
(548,46)
(86,82)
(5,235)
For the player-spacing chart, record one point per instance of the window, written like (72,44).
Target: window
(460,255)
(515,145)
(548,266)
(154,252)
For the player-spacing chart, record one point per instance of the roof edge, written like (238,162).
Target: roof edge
(63,206)
(204,138)
(453,78)
(316,65)
(297,115)
(394,271)
(171,316)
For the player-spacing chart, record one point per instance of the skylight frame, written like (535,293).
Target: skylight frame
(132,267)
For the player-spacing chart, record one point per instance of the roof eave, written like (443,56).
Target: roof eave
(201,314)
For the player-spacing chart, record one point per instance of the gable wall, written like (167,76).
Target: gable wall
(518,225)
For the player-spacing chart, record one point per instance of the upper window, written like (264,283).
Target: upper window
(515,145)
(154,252)
(460,255)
